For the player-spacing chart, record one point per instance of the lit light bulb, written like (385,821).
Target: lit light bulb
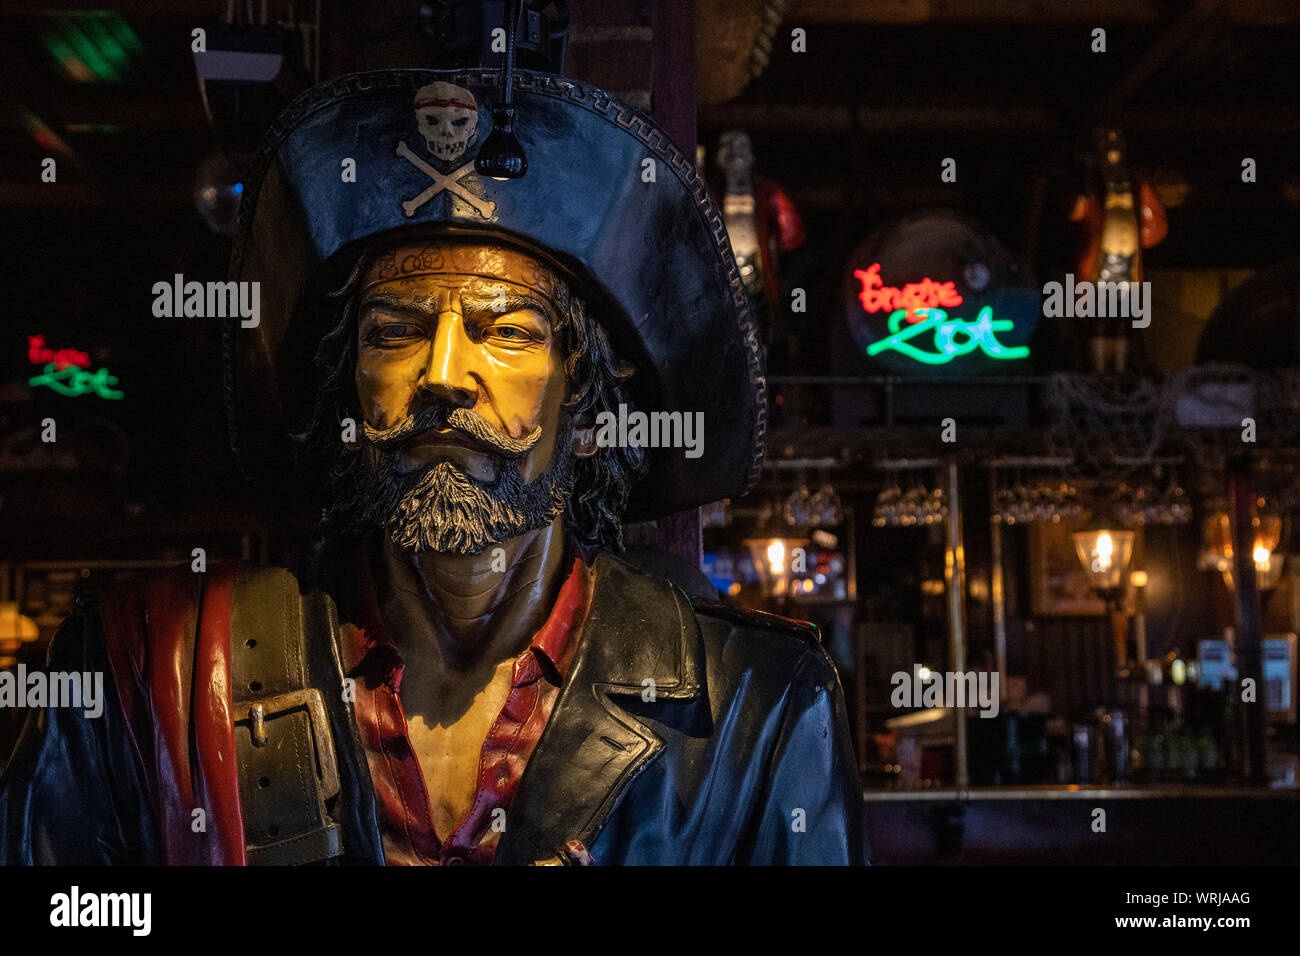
(776,556)
(1103,552)
(1262,556)
(1105,546)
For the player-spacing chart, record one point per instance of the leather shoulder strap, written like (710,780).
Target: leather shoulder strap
(288,767)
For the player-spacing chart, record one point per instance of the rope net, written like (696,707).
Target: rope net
(1204,414)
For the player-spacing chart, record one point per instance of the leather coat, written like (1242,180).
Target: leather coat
(741,755)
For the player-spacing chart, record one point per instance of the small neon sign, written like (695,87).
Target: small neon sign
(67,371)
(926,294)
(952,337)
(72,381)
(39,354)
(919,327)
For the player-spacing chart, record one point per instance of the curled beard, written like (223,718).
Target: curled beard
(441,508)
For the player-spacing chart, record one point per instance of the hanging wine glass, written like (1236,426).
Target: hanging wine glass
(1002,496)
(1069,508)
(826,507)
(913,510)
(798,507)
(886,509)
(716,514)
(933,510)
(1175,507)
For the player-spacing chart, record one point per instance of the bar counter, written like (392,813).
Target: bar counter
(1148,824)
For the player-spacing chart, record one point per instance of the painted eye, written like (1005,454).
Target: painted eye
(511,334)
(393,331)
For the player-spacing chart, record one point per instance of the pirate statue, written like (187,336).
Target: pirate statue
(466,340)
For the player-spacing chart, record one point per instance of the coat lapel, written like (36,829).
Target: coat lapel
(639,629)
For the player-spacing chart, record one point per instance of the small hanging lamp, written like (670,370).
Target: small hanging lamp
(502,157)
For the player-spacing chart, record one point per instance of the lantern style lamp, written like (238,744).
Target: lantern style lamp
(1266,536)
(775,559)
(1105,553)
(1268,567)
(16,629)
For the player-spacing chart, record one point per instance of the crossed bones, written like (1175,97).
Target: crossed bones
(450,182)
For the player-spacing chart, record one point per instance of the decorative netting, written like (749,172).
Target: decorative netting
(1204,414)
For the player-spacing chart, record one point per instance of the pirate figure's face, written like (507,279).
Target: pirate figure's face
(433,403)
(461,380)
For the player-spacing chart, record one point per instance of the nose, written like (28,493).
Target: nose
(448,378)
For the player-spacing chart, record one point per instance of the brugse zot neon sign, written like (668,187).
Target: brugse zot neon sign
(917,309)
(67,371)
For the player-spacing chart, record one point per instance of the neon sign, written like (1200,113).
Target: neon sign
(926,294)
(919,327)
(39,354)
(71,380)
(67,371)
(952,337)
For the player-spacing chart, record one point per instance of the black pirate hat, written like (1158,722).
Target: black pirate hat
(608,198)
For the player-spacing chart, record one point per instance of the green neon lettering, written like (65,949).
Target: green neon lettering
(952,337)
(73,381)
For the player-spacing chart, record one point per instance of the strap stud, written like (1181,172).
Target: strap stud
(257,716)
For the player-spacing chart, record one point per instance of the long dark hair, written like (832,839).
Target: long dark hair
(595,375)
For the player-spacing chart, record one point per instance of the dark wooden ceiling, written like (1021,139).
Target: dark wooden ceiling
(856,127)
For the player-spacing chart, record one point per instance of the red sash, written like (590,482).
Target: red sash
(168,643)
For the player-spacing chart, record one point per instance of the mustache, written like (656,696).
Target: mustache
(462,419)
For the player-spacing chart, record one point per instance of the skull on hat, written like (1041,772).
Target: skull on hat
(446,115)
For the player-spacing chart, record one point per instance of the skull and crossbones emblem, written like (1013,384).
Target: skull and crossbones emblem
(447,116)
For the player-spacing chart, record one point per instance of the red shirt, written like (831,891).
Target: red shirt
(401,798)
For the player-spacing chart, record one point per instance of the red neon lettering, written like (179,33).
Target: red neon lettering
(926,294)
(38,354)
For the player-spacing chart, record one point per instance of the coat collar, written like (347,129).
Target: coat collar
(640,646)
(367,648)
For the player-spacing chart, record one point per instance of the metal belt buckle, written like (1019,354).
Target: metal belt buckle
(309,698)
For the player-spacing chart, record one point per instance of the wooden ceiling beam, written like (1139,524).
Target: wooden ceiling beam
(132,112)
(1199,19)
(1028,12)
(894,195)
(26,195)
(73,115)
(200,11)
(821,119)
(840,119)
(901,12)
